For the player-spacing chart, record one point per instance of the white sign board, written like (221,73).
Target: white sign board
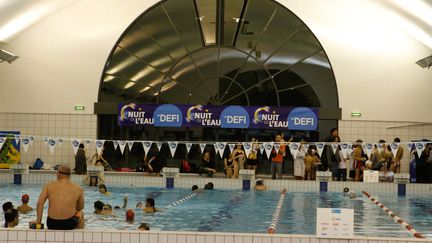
(335,223)
(370,176)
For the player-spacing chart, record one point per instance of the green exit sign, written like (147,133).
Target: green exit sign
(355,114)
(79,107)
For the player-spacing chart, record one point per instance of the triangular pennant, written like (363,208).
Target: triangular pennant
(2,141)
(45,139)
(394,148)
(51,145)
(122,145)
(87,142)
(25,142)
(99,146)
(31,138)
(294,148)
(159,145)
(410,146)
(221,148)
(367,147)
(261,148)
(344,149)
(17,139)
(231,147)
(173,147)
(60,141)
(380,147)
(306,147)
(320,148)
(247,148)
(276,147)
(188,147)
(130,145)
(202,147)
(268,146)
(146,146)
(334,147)
(75,144)
(419,147)
(216,148)
(115,144)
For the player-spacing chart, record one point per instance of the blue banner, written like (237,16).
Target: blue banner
(259,117)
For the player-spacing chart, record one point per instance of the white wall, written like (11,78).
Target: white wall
(62,58)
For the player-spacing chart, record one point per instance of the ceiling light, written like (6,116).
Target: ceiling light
(6,56)
(128,85)
(425,62)
(144,89)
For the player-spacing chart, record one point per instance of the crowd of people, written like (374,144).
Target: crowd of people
(343,163)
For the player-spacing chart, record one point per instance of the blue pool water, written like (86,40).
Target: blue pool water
(241,211)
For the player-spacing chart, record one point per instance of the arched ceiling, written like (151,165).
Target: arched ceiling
(219,52)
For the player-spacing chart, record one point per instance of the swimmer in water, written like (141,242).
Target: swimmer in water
(150,206)
(103,190)
(348,193)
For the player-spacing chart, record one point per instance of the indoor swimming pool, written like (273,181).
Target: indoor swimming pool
(240,211)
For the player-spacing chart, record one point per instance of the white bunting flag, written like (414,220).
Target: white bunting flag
(45,139)
(75,144)
(159,146)
(173,147)
(344,149)
(122,145)
(87,142)
(419,147)
(367,147)
(268,146)
(380,147)
(410,146)
(306,147)
(261,148)
(115,144)
(334,147)
(60,141)
(17,139)
(294,148)
(276,147)
(247,146)
(394,148)
(99,146)
(146,146)
(25,142)
(231,147)
(215,148)
(202,147)
(2,141)
(51,145)
(320,148)
(188,147)
(130,145)
(31,138)
(221,148)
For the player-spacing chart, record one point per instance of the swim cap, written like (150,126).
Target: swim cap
(130,215)
(25,198)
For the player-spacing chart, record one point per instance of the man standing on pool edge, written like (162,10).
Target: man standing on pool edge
(66,200)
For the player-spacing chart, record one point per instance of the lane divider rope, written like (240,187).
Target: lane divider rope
(182,200)
(276,214)
(396,219)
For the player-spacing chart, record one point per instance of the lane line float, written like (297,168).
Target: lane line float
(276,214)
(396,219)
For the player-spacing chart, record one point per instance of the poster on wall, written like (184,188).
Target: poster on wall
(260,117)
(10,149)
(335,223)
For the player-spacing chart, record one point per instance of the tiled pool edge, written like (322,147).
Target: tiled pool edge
(132,179)
(93,236)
